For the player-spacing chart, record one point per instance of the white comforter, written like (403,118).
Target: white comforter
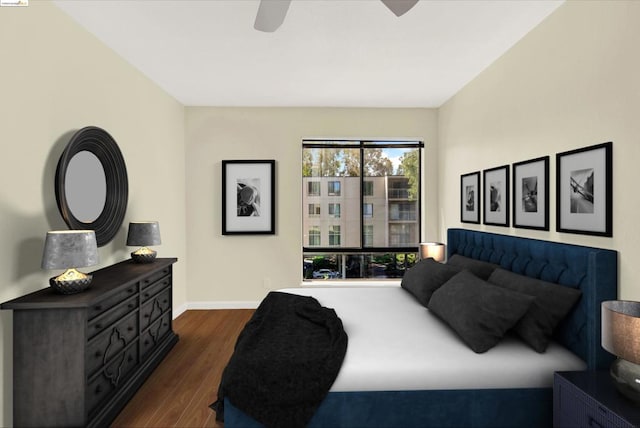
(396,344)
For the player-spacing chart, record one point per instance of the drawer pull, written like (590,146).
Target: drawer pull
(146,295)
(98,308)
(98,326)
(146,315)
(98,354)
(130,358)
(98,389)
(130,328)
(131,306)
(146,342)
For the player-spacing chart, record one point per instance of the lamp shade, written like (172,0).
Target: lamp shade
(434,250)
(621,329)
(65,249)
(143,233)
(621,337)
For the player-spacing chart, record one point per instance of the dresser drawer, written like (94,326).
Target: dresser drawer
(105,320)
(154,308)
(155,288)
(109,343)
(150,338)
(113,375)
(108,303)
(151,279)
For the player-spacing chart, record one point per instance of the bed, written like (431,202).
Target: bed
(426,386)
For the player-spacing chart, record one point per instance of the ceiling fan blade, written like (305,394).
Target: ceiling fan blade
(271,15)
(399,7)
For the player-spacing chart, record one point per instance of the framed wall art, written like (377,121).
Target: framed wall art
(470,197)
(531,194)
(496,196)
(584,190)
(248,197)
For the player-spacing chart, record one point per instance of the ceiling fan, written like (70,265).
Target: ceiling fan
(271,13)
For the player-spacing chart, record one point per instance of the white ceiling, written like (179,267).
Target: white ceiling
(330,53)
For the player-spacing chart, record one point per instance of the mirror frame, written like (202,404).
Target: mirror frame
(98,142)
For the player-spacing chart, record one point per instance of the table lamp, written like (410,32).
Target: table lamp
(143,233)
(434,250)
(621,337)
(70,249)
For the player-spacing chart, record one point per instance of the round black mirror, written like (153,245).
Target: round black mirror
(91,186)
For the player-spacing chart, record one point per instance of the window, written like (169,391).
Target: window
(334,235)
(333,188)
(313,188)
(367,210)
(367,188)
(360,177)
(314,210)
(314,236)
(334,210)
(368,235)
(402,211)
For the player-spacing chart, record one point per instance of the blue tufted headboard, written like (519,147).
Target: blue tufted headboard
(592,270)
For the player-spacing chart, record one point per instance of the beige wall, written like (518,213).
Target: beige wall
(572,82)
(55,79)
(244,268)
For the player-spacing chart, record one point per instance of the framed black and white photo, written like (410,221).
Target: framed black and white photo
(584,190)
(248,197)
(470,197)
(496,196)
(531,194)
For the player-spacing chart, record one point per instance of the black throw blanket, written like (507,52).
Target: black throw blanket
(284,362)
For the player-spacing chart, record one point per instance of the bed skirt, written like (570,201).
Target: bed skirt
(421,409)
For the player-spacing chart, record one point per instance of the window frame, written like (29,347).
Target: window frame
(362,145)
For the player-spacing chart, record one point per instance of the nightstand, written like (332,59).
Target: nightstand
(590,399)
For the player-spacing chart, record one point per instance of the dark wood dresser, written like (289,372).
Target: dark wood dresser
(78,359)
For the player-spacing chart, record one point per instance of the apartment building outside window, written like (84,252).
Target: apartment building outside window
(314,210)
(369,218)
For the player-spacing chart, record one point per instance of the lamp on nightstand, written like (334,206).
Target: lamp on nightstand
(621,337)
(434,250)
(70,249)
(143,233)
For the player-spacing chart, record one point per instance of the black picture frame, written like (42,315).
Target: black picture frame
(496,196)
(470,200)
(530,184)
(248,197)
(584,190)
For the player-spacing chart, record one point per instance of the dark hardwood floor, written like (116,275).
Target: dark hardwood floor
(179,391)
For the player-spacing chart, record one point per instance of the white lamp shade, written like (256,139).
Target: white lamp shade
(65,249)
(434,250)
(143,233)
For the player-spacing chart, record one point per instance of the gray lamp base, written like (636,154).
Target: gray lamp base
(71,286)
(626,377)
(143,257)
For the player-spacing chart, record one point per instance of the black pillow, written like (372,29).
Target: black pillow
(552,303)
(479,312)
(425,277)
(479,268)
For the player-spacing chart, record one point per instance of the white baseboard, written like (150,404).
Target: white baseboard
(232,304)
(179,311)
